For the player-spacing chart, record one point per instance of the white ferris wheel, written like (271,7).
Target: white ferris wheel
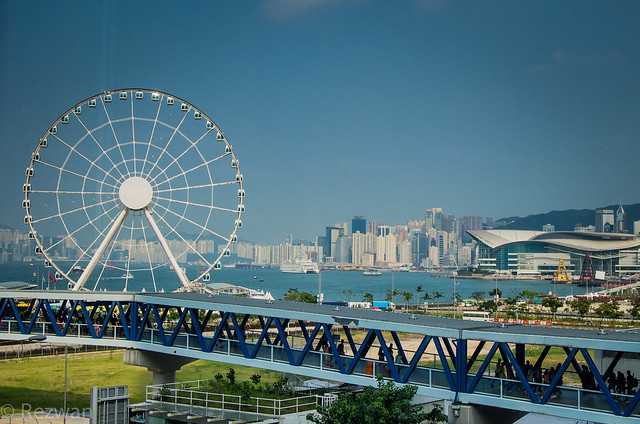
(131,188)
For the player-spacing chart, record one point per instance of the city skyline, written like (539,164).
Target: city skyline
(436,106)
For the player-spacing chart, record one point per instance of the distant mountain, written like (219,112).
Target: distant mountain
(566,220)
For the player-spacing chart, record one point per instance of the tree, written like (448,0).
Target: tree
(391,294)
(495,292)
(488,306)
(436,295)
(581,306)
(407,296)
(231,376)
(295,295)
(367,297)
(553,303)
(477,296)
(635,310)
(609,309)
(255,379)
(385,404)
(528,295)
(419,291)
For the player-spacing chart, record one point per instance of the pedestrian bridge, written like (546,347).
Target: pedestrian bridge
(446,358)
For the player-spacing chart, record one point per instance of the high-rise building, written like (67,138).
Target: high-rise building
(358,247)
(548,228)
(343,249)
(404,252)
(361,245)
(386,249)
(358,224)
(636,228)
(619,223)
(604,220)
(442,240)
(434,218)
(331,236)
(419,245)
(434,260)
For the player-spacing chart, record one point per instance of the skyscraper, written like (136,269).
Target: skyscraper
(331,236)
(604,220)
(619,227)
(418,247)
(358,224)
(434,218)
(343,249)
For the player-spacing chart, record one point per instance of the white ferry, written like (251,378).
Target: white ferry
(300,266)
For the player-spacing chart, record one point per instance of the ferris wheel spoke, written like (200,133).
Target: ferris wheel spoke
(222,183)
(217,208)
(133,137)
(172,230)
(184,280)
(72,172)
(164,149)
(77,230)
(146,244)
(85,208)
(93,163)
(98,144)
(153,130)
(115,227)
(210,231)
(180,174)
(191,146)
(72,192)
(115,137)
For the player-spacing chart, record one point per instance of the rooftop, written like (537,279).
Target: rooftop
(592,242)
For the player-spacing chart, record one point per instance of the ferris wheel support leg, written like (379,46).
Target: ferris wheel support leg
(165,246)
(115,227)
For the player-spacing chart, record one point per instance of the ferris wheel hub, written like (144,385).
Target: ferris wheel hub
(136,193)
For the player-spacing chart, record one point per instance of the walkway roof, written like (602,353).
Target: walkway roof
(627,341)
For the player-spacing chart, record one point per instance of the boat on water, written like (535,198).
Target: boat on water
(300,266)
(371,273)
(125,276)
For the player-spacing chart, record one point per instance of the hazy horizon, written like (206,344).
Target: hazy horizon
(338,109)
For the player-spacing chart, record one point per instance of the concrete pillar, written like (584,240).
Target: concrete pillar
(163,366)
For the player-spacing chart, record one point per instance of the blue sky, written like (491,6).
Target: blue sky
(338,108)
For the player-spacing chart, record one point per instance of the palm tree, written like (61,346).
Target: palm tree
(419,290)
(367,297)
(407,295)
(436,295)
(427,297)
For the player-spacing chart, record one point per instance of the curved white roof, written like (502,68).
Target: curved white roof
(592,242)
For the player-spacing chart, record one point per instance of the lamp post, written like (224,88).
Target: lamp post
(64,401)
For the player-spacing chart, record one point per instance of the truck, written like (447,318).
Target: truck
(383,305)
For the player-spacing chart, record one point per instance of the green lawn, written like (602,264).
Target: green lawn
(40,381)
